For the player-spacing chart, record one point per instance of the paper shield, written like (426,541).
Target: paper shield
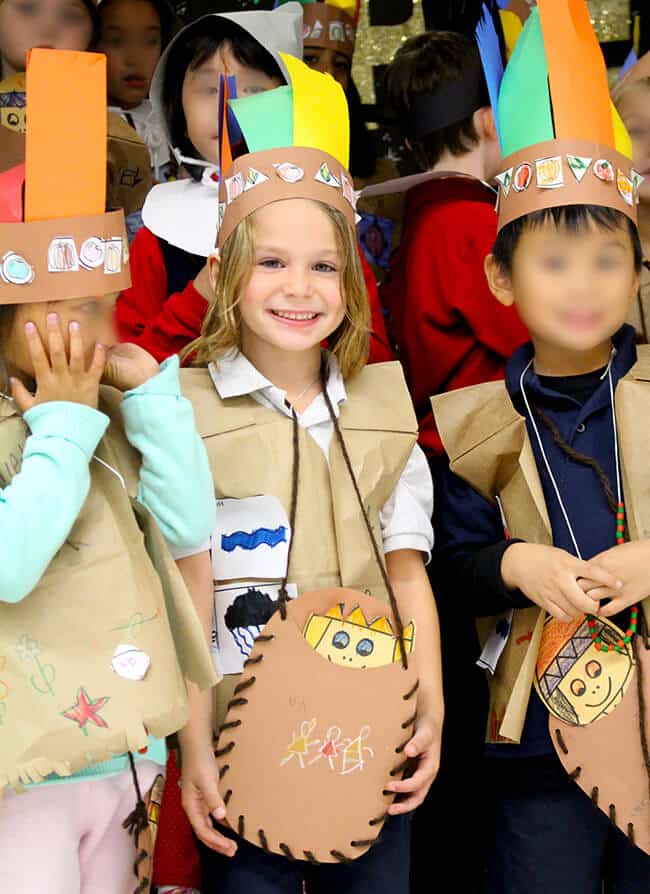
(608,759)
(309,745)
(261,178)
(546,176)
(329,27)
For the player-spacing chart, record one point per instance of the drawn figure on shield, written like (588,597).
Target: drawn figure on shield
(330,748)
(300,744)
(578,681)
(356,751)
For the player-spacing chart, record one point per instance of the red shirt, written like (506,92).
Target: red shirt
(451,331)
(147,315)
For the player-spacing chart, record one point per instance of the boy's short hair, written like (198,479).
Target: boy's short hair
(573,219)
(424,65)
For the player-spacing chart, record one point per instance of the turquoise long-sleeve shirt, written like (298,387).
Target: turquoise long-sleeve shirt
(41,504)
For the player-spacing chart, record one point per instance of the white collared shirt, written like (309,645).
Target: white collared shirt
(406,517)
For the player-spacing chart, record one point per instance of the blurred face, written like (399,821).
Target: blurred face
(130,37)
(56,24)
(94,315)
(572,290)
(201,97)
(634,108)
(293,299)
(328,61)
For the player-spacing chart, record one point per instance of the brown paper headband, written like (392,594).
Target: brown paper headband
(328,27)
(566,172)
(297,172)
(58,260)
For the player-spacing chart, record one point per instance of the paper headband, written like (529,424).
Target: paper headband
(59,243)
(296,172)
(566,172)
(329,27)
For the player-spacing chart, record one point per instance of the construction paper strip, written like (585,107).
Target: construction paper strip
(490,51)
(512,28)
(225,150)
(577,72)
(629,63)
(622,140)
(11,194)
(65,154)
(320,111)
(524,102)
(266,119)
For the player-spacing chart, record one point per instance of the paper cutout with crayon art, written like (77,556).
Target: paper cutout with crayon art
(355,642)
(577,682)
(86,710)
(251,540)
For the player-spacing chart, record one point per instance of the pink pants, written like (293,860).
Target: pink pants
(68,838)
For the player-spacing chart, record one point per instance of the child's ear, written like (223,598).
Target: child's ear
(485,124)
(213,269)
(499,281)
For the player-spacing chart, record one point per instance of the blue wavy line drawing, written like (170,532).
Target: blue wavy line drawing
(272,538)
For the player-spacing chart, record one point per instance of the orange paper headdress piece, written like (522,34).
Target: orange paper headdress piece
(56,241)
(298,140)
(563,141)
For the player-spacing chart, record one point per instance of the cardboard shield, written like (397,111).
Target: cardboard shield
(317,728)
(609,759)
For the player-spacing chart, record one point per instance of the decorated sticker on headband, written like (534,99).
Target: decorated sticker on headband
(350,33)
(578,165)
(604,170)
(549,172)
(505,181)
(337,31)
(289,172)
(113,255)
(91,254)
(62,256)
(348,190)
(126,252)
(316,30)
(578,682)
(221,212)
(15,270)
(254,178)
(625,187)
(234,187)
(637,180)
(324,175)
(523,176)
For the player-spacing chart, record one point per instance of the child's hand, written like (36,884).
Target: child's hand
(425,746)
(630,562)
(549,577)
(201,799)
(56,377)
(128,366)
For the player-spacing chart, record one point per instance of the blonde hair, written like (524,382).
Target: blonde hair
(221,330)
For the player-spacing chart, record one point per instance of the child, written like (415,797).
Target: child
(448,330)
(89,662)
(632,98)
(164,308)
(546,456)
(289,279)
(133,34)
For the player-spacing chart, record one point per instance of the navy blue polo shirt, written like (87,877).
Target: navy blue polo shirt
(469,523)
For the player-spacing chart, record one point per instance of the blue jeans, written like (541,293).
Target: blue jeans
(557,842)
(385,867)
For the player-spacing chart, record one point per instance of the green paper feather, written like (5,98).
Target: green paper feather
(266,119)
(525,115)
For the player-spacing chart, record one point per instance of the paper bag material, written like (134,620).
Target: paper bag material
(129,167)
(308,745)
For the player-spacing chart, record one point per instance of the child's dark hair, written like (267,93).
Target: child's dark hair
(198,44)
(169,21)
(570,218)
(425,64)
(363,153)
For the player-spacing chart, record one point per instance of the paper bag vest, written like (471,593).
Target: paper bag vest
(96,655)
(251,453)
(488,447)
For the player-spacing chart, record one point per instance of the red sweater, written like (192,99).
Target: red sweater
(164,323)
(449,328)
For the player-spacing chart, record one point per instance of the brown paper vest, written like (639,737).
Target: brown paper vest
(609,758)
(309,745)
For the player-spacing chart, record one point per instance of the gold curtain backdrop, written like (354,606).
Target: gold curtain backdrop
(377,45)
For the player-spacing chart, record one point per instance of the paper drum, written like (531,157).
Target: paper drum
(317,728)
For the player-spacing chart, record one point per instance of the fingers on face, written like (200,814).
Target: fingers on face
(36,351)
(58,357)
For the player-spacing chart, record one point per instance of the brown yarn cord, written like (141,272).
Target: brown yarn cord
(371,535)
(135,823)
(283,597)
